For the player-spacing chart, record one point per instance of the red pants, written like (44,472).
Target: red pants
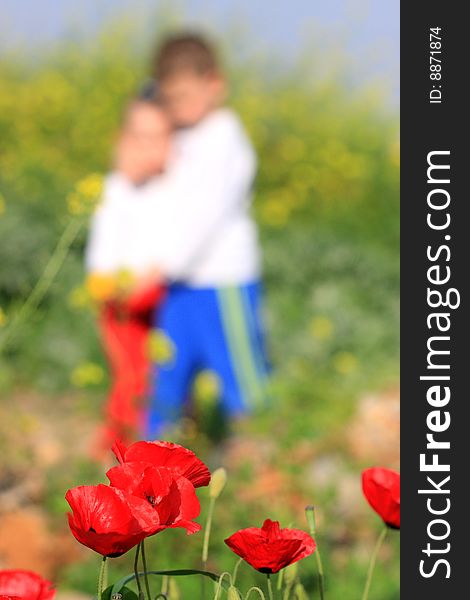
(125,329)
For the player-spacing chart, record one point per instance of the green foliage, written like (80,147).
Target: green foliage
(126,594)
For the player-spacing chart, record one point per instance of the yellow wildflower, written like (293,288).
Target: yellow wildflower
(90,186)
(161,348)
(275,212)
(206,387)
(87,374)
(101,287)
(124,280)
(79,297)
(82,200)
(345,363)
(321,327)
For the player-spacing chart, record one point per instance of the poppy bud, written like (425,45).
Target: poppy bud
(218,481)
(299,592)
(310,514)
(232,593)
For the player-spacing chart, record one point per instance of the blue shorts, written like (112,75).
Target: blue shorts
(218,329)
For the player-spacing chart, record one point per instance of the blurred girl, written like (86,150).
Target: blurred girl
(122,278)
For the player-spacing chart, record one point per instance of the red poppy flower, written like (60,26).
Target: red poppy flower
(171,495)
(165,454)
(381,488)
(24,585)
(271,548)
(108,520)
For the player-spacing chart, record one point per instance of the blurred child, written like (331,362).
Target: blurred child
(208,249)
(121,275)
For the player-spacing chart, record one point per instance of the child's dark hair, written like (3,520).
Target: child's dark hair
(148,92)
(185,52)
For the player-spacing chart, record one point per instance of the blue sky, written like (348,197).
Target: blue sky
(366,30)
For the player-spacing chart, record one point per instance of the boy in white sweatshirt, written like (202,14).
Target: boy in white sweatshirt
(206,245)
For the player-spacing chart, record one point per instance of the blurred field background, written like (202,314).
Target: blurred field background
(328,210)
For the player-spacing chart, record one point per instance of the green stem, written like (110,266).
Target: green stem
(270,588)
(144,563)
(255,589)
(310,514)
(321,576)
(101,578)
(280,580)
(205,545)
(218,589)
(118,586)
(136,571)
(46,279)
(373,560)
(235,571)
(207,533)
(105,575)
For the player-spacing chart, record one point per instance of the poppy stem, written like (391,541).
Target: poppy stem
(270,587)
(41,287)
(165,586)
(280,580)
(205,545)
(144,563)
(136,571)
(373,560)
(312,524)
(321,576)
(235,571)
(101,578)
(207,532)
(105,574)
(255,589)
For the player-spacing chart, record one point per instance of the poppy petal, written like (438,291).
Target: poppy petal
(269,549)
(109,520)
(166,454)
(23,584)
(170,495)
(381,489)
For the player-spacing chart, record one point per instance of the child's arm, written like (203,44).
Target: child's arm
(103,244)
(204,189)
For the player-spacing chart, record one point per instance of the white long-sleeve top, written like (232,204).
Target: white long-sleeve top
(193,222)
(121,236)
